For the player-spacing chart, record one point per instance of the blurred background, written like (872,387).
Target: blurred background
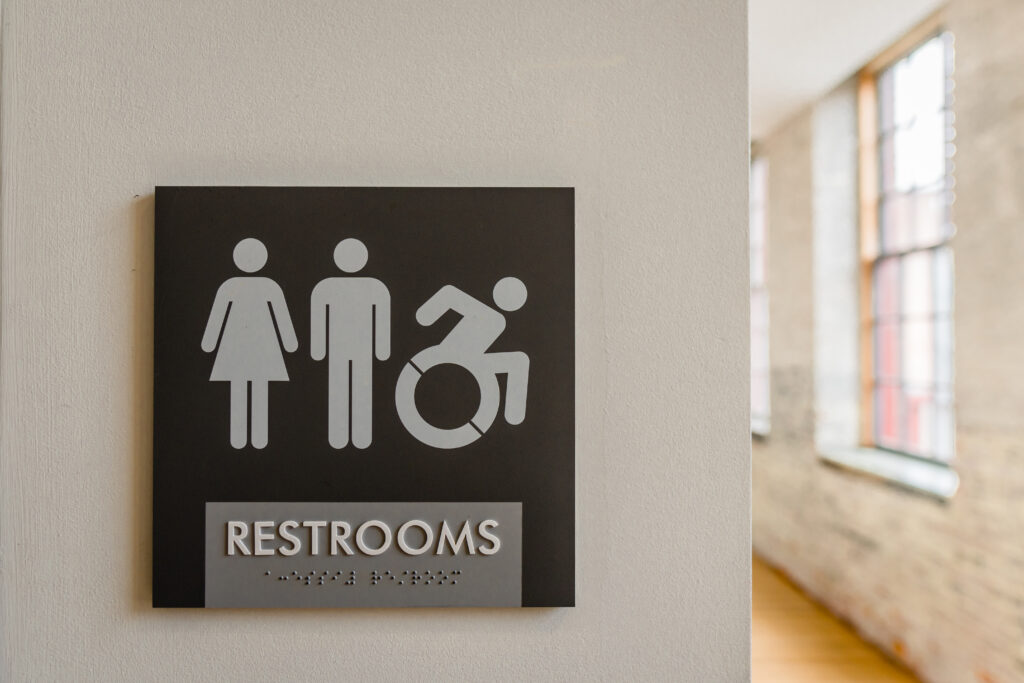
(887,339)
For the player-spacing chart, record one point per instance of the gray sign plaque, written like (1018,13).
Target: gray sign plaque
(281,554)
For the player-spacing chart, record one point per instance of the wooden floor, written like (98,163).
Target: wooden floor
(794,640)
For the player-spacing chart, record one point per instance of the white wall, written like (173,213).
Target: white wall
(640,106)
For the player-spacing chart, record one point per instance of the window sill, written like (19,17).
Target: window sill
(929,479)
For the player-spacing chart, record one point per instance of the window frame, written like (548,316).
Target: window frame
(870,253)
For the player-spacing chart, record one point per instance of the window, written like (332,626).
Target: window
(760,413)
(907,282)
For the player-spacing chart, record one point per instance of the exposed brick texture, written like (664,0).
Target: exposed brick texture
(938,586)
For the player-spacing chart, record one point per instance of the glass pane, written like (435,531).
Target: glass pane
(943,264)
(918,295)
(920,419)
(887,288)
(930,218)
(897,223)
(887,351)
(926,152)
(903,98)
(887,409)
(912,284)
(928,69)
(904,164)
(918,347)
(887,164)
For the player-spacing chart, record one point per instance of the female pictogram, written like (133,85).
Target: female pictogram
(241,328)
(467,345)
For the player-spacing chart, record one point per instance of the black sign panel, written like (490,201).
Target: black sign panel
(407,349)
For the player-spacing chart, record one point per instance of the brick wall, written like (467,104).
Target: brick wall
(939,586)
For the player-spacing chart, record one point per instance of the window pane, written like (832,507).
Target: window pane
(918,297)
(887,163)
(920,421)
(904,161)
(886,288)
(887,408)
(887,351)
(918,354)
(897,223)
(925,160)
(930,218)
(928,79)
(903,94)
(912,282)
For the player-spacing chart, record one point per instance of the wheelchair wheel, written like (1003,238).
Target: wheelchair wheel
(409,414)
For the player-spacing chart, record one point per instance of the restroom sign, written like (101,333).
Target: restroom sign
(363,397)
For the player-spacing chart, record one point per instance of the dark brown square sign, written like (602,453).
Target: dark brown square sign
(363,397)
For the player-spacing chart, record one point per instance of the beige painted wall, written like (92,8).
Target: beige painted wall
(937,585)
(641,107)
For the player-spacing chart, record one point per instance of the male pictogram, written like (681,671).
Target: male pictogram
(350,324)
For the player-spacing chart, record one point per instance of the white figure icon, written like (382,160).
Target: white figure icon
(241,328)
(350,323)
(467,345)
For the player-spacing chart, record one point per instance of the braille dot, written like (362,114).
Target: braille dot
(400,583)
(405,572)
(454,582)
(294,572)
(414,583)
(388,571)
(266,573)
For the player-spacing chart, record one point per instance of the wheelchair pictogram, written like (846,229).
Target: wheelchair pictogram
(466,345)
